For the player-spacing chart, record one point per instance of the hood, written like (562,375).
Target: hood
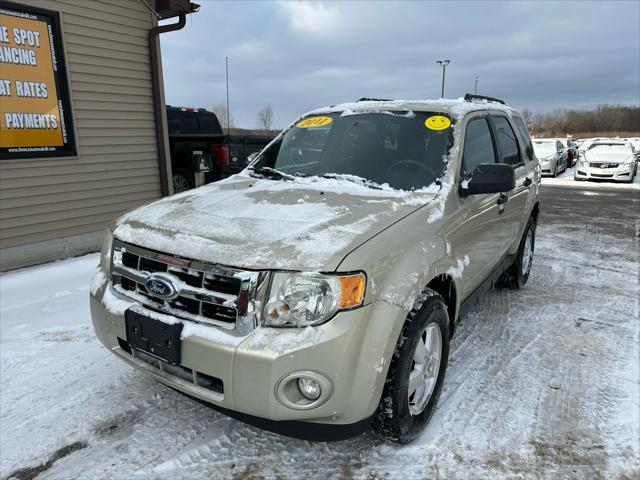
(607,157)
(543,154)
(307,224)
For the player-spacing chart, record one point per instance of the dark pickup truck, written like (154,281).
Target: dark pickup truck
(201,152)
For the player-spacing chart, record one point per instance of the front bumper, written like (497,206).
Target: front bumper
(547,167)
(623,173)
(241,374)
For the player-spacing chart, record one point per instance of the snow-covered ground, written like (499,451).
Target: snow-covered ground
(542,383)
(565,179)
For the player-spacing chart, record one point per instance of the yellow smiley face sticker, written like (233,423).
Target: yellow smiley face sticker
(312,122)
(437,122)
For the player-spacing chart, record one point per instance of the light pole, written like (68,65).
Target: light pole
(444,64)
(226,67)
(475,90)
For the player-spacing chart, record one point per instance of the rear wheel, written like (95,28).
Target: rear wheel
(416,372)
(181,181)
(517,274)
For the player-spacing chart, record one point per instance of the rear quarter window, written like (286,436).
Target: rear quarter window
(523,131)
(509,151)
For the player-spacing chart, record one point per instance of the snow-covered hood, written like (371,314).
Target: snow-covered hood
(608,157)
(543,154)
(306,224)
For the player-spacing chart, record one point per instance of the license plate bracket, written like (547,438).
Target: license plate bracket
(159,339)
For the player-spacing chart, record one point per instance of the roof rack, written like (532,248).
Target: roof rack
(470,97)
(367,99)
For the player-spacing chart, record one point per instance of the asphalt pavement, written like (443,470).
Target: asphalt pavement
(616,212)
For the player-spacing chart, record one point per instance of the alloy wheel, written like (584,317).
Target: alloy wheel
(527,253)
(180,184)
(425,368)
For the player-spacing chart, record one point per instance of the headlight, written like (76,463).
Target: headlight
(105,253)
(302,299)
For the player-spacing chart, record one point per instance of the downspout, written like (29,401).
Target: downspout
(163,157)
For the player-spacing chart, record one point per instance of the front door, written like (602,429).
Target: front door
(480,230)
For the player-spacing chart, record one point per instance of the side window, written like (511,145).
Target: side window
(182,122)
(209,123)
(478,146)
(524,136)
(507,142)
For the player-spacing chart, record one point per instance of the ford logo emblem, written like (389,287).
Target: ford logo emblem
(161,287)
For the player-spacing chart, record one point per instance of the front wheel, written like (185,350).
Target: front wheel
(416,372)
(555,170)
(517,274)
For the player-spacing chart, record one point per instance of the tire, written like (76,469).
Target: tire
(555,170)
(517,274)
(182,181)
(401,416)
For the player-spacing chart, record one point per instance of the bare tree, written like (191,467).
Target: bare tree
(265,118)
(221,112)
(527,116)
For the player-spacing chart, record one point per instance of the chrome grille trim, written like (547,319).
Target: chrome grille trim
(604,165)
(239,312)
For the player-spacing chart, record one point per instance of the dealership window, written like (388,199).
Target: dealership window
(35,112)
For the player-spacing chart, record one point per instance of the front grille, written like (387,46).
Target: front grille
(602,175)
(206,293)
(603,165)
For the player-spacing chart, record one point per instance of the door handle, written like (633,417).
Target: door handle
(502,199)
(527,182)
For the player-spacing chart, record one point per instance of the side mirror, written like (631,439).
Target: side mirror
(489,178)
(252,157)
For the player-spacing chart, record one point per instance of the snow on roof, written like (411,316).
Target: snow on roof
(456,107)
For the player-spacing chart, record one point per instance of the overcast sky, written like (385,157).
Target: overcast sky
(299,56)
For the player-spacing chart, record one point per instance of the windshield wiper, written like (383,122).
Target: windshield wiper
(271,173)
(354,179)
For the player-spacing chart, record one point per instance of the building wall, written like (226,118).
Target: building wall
(52,208)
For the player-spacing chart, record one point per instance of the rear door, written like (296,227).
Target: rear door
(511,153)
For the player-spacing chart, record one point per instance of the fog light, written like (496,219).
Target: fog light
(309,388)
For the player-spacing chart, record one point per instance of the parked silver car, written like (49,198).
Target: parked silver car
(551,154)
(607,160)
(317,291)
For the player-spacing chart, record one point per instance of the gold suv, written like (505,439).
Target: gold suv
(316,292)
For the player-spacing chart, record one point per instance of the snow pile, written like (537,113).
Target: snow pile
(456,272)
(282,339)
(97,280)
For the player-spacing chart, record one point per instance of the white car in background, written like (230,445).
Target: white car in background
(607,160)
(635,144)
(551,154)
(586,143)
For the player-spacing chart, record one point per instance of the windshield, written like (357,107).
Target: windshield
(403,149)
(544,149)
